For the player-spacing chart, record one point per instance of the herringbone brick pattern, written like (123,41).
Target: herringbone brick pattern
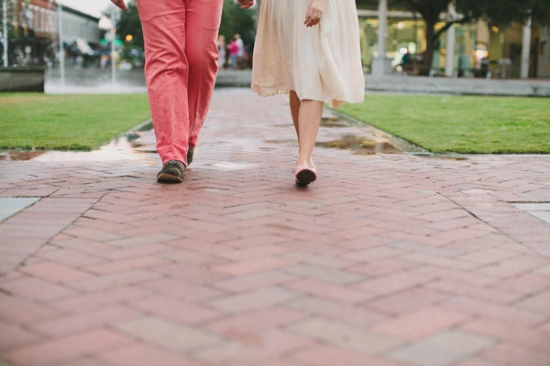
(385,260)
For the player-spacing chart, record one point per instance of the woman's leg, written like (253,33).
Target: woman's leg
(309,120)
(166,72)
(295,112)
(203,19)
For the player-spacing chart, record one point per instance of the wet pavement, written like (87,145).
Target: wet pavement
(125,146)
(390,258)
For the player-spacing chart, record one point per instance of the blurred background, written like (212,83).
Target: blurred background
(458,38)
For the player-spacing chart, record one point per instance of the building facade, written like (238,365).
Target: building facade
(78,25)
(31,26)
(473,49)
(33,31)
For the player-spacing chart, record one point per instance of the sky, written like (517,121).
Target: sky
(92,7)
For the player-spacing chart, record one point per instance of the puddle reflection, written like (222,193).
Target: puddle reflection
(132,146)
(230,166)
(333,121)
(19,155)
(360,145)
(125,147)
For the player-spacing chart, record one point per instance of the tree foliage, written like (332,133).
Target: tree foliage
(234,20)
(504,12)
(540,10)
(129,23)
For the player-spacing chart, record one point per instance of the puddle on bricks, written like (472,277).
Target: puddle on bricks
(13,155)
(447,157)
(229,166)
(357,144)
(361,145)
(125,146)
(332,122)
(132,146)
(286,141)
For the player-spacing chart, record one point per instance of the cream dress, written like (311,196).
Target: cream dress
(321,63)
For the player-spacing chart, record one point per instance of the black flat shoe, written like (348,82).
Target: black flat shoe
(305,175)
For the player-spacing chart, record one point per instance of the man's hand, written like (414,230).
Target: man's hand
(245,4)
(120,4)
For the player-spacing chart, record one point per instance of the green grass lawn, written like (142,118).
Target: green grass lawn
(460,124)
(67,122)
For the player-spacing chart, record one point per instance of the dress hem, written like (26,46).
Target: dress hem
(334,102)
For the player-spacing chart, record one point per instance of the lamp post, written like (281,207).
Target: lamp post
(450,41)
(113,39)
(5,32)
(61,46)
(380,64)
(526,48)
(108,25)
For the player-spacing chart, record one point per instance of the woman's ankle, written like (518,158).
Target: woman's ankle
(305,162)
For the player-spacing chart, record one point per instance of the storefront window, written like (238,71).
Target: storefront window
(479,50)
(403,35)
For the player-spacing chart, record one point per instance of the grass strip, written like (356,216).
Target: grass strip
(460,124)
(67,122)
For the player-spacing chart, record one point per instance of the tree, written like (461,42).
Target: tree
(129,24)
(540,10)
(234,20)
(502,12)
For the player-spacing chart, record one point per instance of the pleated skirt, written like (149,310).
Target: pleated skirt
(321,63)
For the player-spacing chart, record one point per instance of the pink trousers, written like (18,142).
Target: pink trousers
(181,57)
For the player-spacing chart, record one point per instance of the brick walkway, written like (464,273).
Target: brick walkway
(388,259)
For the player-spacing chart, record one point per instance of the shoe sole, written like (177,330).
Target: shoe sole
(305,177)
(169,178)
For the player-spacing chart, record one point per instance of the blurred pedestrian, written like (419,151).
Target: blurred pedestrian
(233,53)
(73,52)
(221,51)
(310,50)
(407,62)
(181,57)
(240,50)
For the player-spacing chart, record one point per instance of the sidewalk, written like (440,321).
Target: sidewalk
(388,259)
(99,80)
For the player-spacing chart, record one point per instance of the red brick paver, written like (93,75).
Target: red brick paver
(385,260)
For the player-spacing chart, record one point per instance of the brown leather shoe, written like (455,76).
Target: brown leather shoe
(173,171)
(190,153)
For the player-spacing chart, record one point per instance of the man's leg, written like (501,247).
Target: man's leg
(201,32)
(166,72)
